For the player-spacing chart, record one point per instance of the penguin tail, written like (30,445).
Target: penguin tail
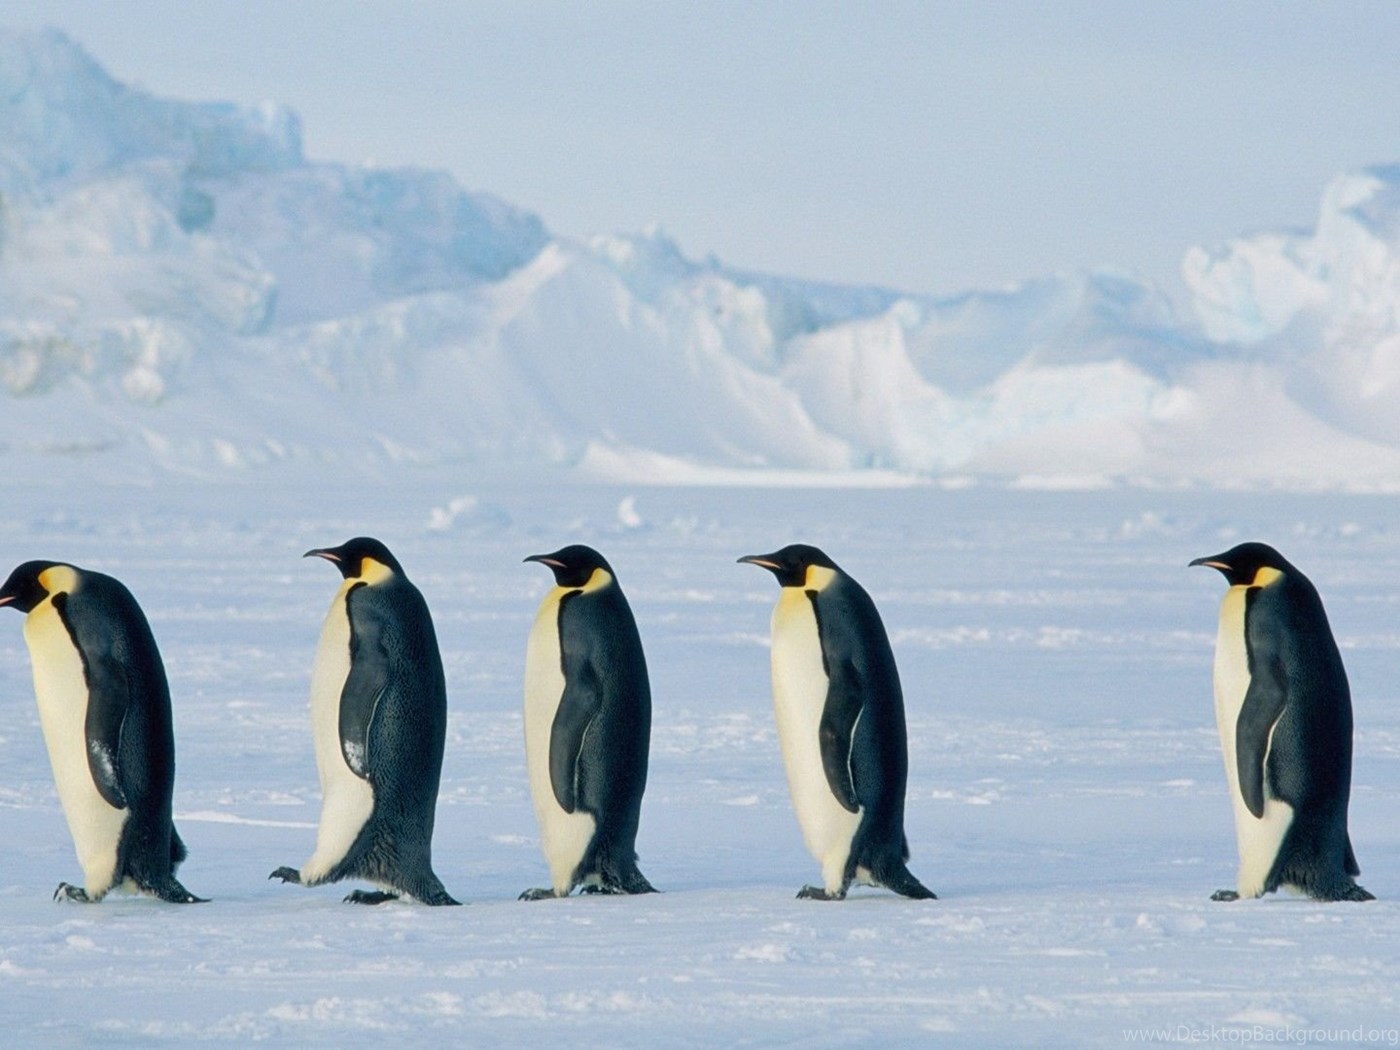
(883,850)
(906,885)
(170,891)
(632,880)
(1308,862)
(429,890)
(1319,881)
(620,874)
(893,873)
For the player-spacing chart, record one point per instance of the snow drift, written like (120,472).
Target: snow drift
(181,289)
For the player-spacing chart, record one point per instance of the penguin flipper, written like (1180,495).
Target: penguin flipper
(845,700)
(364,687)
(1264,702)
(109,699)
(578,706)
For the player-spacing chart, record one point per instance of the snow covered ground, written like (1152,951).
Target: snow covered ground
(1066,796)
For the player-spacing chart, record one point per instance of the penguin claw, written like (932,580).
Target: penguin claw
(68,892)
(1224,895)
(287,875)
(538,894)
(817,893)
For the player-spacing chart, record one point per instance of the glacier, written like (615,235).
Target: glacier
(183,291)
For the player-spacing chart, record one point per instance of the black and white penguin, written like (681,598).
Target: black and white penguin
(379,717)
(587,728)
(1283,709)
(104,705)
(840,714)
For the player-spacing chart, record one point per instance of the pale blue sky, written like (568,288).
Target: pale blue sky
(933,147)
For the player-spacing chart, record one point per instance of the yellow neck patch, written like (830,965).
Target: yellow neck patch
(59,579)
(819,577)
(1266,576)
(600,579)
(373,572)
(596,582)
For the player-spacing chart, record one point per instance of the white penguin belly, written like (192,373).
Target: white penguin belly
(564,837)
(61,690)
(1257,838)
(347,801)
(799,697)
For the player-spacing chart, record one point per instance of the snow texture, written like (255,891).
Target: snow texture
(182,290)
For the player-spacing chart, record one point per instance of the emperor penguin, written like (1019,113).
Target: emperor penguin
(104,706)
(587,728)
(840,714)
(1283,709)
(379,718)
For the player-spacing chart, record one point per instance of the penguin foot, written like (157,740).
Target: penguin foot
(816,893)
(370,897)
(68,892)
(287,875)
(1224,895)
(538,894)
(604,889)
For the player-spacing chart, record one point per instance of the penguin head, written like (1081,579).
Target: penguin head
(352,557)
(24,589)
(790,564)
(1242,564)
(574,565)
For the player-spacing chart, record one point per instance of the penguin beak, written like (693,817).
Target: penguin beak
(329,555)
(763,561)
(545,559)
(1210,562)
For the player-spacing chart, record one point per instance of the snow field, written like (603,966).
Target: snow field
(1066,797)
